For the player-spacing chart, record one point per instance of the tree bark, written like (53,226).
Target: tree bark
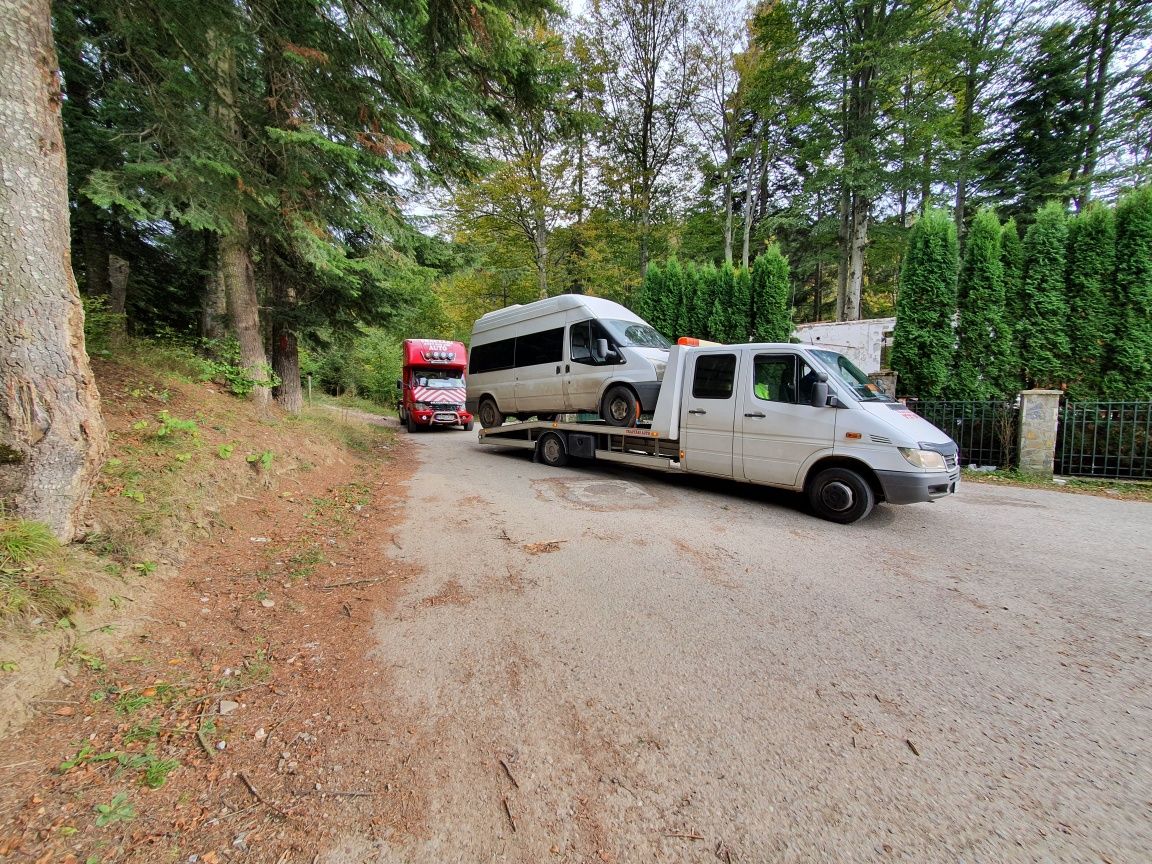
(858,243)
(286,365)
(94,244)
(214,305)
(52,437)
(235,274)
(118,271)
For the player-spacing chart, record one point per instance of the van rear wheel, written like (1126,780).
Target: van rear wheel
(619,407)
(841,495)
(489,414)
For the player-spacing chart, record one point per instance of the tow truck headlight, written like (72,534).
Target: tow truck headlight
(929,460)
(421,406)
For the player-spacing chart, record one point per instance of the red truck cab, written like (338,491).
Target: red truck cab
(432,387)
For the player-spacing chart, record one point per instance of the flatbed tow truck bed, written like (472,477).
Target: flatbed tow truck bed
(639,445)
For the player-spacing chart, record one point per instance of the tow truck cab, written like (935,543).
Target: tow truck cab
(432,385)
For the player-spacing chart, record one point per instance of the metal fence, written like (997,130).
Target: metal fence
(986,432)
(1105,439)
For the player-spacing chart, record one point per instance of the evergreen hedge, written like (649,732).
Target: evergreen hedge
(1043,328)
(983,362)
(1092,305)
(1130,373)
(771,317)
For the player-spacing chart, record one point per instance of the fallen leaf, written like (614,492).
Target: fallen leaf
(65,711)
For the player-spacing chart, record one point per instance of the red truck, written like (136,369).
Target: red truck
(432,388)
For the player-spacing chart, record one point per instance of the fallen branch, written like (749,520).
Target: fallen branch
(507,771)
(348,794)
(508,812)
(259,797)
(353,582)
(692,836)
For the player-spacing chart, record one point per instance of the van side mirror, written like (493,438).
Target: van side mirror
(819,394)
(600,350)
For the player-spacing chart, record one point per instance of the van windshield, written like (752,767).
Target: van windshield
(629,334)
(847,373)
(441,379)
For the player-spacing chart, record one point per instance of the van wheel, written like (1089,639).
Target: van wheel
(489,414)
(551,451)
(619,407)
(840,495)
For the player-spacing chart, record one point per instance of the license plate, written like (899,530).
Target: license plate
(445,418)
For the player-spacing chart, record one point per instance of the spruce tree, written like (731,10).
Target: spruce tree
(983,362)
(1044,322)
(1130,373)
(1092,307)
(771,321)
(923,341)
(1012,261)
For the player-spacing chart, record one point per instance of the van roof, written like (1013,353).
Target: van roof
(596,307)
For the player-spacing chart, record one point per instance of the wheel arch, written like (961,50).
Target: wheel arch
(862,468)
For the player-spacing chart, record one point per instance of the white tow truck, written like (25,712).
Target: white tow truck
(783,415)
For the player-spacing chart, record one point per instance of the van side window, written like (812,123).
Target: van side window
(580,341)
(774,378)
(714,376)
(546,346)
(491,357)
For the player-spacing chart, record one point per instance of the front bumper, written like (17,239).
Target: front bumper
(441,418)
(911,487)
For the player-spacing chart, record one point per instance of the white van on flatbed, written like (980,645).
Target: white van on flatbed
(783,415)
(564,355)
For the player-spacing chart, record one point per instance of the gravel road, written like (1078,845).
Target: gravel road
(608,665)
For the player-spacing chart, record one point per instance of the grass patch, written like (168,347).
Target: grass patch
(32,582)
(356,402)
(1125,490)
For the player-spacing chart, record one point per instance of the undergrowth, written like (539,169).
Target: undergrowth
(1127,490)
(33,579)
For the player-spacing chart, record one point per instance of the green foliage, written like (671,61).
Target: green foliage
(1042,329)
(23,542)
(367,366)
(1092,306)
(119,809)
(771,318)
(983,364)
(672,303)
(740,313)
(648,298)
(1130,372)
(697,300)
(722,319)
(923,341)
(262,460)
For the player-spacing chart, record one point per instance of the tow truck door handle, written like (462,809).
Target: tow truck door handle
(697,411)
(759,414)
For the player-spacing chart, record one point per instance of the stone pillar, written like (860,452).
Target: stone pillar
(1039,415)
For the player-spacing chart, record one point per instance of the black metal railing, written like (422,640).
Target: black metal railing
(1105,439)
(984,431)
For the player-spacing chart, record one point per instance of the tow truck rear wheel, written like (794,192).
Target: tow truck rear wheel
(619,407)
(551,451)
(489,414)
(841,495)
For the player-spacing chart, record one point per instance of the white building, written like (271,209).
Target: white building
(863,342)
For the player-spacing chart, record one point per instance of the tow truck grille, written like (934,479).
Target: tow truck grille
(446,406)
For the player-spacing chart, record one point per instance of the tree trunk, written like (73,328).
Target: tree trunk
(94,244)
(728,213)
(52,437)
(235,274)
(746,242)
(286,365)
(118,271)
(213,303)
(845,230)
(857,245)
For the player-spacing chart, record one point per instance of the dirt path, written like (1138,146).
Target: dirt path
(247,697)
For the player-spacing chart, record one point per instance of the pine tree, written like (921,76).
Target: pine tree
(1092,307)
(1044,323)
(1130,373)
(771,320)
(1012,261)
(923,341)
(983,363)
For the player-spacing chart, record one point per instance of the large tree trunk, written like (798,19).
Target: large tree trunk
(52,437)
(94,245)
(213,303)
(286,365)
(118,272)
(858,242)
(239,283)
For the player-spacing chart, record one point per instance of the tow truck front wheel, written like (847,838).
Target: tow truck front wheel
(551,451)
(840,495)
(489,414)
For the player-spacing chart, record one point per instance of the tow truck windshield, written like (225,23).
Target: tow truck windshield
(847,373)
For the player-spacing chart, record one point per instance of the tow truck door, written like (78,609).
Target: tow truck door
(708,413)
